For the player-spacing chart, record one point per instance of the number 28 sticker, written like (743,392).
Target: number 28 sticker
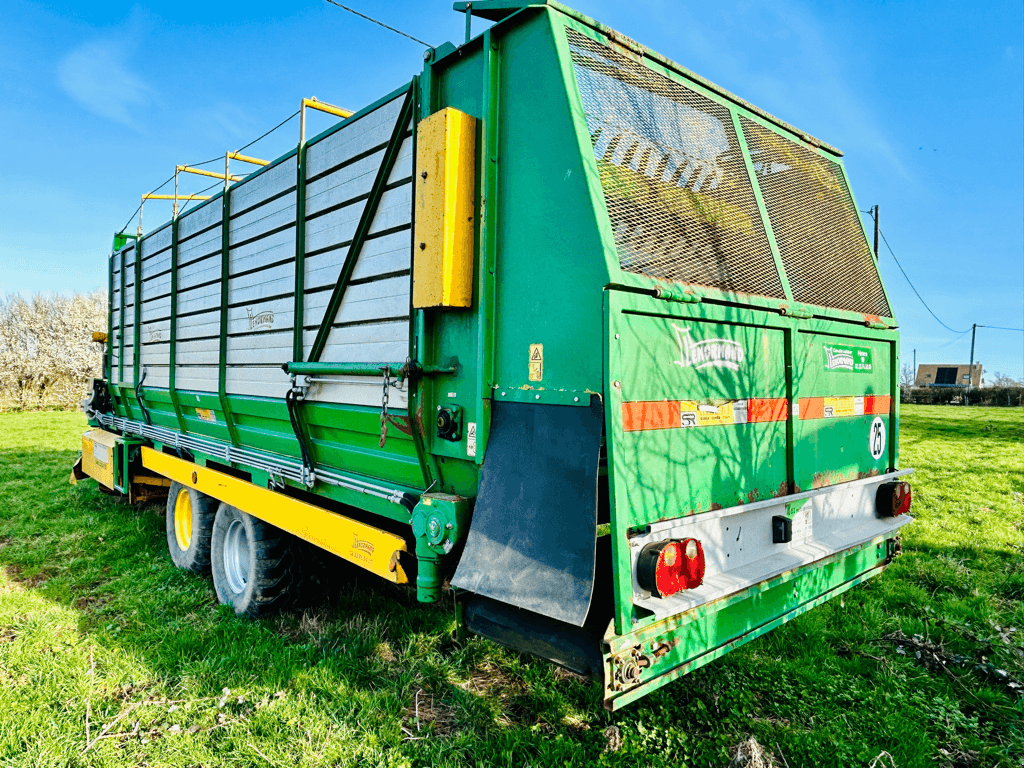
(876,438)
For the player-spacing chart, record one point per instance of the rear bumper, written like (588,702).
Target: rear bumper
(738,543)
(842,544)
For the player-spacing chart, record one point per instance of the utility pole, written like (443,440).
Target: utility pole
(915,365)
(970,371)
(876,232)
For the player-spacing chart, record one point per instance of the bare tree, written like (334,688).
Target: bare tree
(907,375)
(47,355)
(1002,380)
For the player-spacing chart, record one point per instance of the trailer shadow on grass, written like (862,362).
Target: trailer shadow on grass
(95,623)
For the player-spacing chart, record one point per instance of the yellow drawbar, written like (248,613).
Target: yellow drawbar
(445,210)
(361,544)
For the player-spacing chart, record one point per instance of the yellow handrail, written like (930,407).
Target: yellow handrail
(321,106)
(247,159)
(201,172)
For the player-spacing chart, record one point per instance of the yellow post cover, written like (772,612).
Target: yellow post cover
(99,456)
(445,210)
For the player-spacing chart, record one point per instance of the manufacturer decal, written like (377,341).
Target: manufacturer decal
(854,359)
(360,550)
(707,353)
(260,320)
(876,438)
(693,414)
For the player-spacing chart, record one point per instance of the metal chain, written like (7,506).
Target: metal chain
(384,407)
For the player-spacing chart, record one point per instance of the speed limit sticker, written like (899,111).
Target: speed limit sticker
(876,438)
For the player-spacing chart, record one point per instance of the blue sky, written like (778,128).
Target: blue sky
(99,101)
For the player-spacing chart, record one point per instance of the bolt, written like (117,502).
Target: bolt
(502,394)
(449,526)
(575,399)
(427,54)
(616,335)
(536,397)
(617,384)
(423,246)
(424,174)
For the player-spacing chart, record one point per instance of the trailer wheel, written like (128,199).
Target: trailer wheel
(255,565)
(190,517)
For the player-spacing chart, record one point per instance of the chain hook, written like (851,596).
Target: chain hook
(384,406)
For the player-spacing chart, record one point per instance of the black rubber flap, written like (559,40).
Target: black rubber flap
(532,540)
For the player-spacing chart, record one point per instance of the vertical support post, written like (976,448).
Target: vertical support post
(792,397)
(174,212)
(769,232)
(120,330)
(423,90)
(915,365)
(225,264)
(469,21)
(172,355)
(108,371)
(300,248)
(970,370)
(488,208)
(137,330)
(876,232)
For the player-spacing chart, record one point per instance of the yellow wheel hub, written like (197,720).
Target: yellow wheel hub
(183,519)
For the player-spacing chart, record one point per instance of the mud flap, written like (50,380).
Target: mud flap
(532,542)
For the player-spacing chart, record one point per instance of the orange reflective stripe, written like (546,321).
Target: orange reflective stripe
(838,407)
(877,405)
(764,409)
(644,415)
(812,408)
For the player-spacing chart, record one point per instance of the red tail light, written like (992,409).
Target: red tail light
(667,567)
(893,499)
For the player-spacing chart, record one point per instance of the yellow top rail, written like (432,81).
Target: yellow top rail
(320,106)
(246,158)
(201,172)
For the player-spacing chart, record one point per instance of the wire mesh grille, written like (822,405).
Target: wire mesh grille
(680,199)
(820,238)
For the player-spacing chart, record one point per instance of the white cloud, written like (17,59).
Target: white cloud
(94,74)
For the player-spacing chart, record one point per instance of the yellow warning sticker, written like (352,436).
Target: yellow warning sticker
(206,415)
(536,362)
(839,406)
(694,414)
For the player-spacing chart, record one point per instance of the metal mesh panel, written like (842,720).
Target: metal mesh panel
(820,238)
(680,199)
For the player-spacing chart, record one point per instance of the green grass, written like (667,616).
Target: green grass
(96,625)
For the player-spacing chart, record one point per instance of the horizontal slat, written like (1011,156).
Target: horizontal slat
(201,352)
(158,286)
(203,324)
(157,376)
(199,219)
(277,213)
(198,378)
(155,354)
(250,192)
(200,245)
(197,299)
(156,265)
(369,131)
(263,348)
(357,390)
(403,163)
(155,242)
(275,315)
(395,209)
(268,381)
(156,331)
(257,286)
(380,342)
(267,250)
(343,184)
(154,311)
(202,271)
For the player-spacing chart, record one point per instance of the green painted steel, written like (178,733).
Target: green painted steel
(548,280)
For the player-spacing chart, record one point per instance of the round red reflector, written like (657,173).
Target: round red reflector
(668,567)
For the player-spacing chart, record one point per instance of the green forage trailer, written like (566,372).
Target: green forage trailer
(558,321)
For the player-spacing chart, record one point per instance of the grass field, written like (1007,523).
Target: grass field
(109,656)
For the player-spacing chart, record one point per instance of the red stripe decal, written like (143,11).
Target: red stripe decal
(877,405)
(812,408)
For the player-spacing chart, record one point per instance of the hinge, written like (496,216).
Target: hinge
(801,313)
(877,325)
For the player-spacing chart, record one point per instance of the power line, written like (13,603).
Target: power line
(207,162)
(380,23)
(915,289)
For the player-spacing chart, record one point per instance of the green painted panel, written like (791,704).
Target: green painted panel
(844,427)
(685,434)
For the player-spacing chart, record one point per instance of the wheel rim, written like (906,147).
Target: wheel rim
(183,520)
(236,557)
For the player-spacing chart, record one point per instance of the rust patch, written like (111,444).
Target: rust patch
(753,496)
(782,490)
(402,423)
(715,506)
(825,479)
(419,421)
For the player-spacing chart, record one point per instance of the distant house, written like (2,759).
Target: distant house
(949,375)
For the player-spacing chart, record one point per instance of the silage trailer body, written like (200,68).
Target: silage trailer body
(559,320)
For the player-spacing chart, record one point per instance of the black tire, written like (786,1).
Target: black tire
(189,525)
(256,566)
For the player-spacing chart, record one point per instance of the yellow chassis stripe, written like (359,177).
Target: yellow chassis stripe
(361,544)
